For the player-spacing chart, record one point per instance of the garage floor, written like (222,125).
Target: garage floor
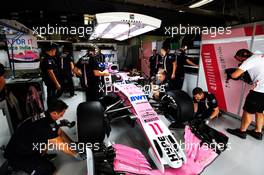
(245,157)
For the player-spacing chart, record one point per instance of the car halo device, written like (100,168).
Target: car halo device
(123,25)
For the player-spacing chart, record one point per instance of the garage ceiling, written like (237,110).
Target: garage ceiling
(171,12)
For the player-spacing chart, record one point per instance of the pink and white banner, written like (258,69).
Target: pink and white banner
(217,54)
(23,51)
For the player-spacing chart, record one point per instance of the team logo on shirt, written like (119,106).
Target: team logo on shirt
(53,126)
(85,60)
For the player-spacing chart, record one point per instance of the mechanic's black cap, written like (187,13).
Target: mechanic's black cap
(2,69)
(245,53)
(51,46)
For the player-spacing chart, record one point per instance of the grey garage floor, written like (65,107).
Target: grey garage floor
(246,157)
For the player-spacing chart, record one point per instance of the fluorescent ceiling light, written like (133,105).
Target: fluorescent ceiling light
(142,30)
(116,31)
(200,3)
(122,25)
(99,29)
(136,33)
(119,30)
(124,37)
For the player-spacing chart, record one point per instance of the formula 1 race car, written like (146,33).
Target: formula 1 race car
(126,99)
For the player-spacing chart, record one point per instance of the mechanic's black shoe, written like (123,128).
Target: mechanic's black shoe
(237,132)
(176,126)
(256,135)
(50,157)
(71,95)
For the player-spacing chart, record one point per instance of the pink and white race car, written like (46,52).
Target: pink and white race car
(163,149)
(126,99)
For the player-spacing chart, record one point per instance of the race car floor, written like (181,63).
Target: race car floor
(245,156)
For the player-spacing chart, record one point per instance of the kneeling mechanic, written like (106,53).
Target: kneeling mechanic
(25,149)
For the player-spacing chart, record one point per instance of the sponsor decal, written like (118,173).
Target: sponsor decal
(214,81)
(151,119)
(156,128)
(149,116)
(138,98)
(131,16)
(167,146)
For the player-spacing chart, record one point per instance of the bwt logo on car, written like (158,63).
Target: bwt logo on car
(138,98)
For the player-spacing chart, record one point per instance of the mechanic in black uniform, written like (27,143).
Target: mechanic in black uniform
(181,60)
(87,67)
(161,94)
(169,65)
(50,73)
(164,85)
(66,67)
(100,58)
(27,147)
(2,82)
(154,63)
(205,104)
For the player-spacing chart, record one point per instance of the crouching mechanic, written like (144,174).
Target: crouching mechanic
(160,93)
(27,147)
(254,103)
(205,105)
(164,85)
